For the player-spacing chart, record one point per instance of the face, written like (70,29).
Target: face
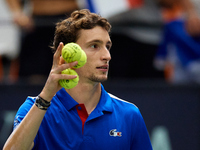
(96,43)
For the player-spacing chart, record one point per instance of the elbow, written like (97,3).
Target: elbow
(10,146)
(6,147)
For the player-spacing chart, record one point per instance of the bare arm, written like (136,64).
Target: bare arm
(14,6)
(19,17)
(193,20)
(187,5)
(23,136)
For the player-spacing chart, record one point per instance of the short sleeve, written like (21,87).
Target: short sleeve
(141,140)
(23,110)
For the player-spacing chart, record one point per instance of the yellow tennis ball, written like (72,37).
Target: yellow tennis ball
(71,83)
(72,52)
(82,60)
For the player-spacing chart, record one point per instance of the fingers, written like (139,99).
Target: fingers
(23,21)
(56,57)
(66,76)
(52,84)
(59,63)
(65,66)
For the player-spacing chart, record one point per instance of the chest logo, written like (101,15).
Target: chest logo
(115,133)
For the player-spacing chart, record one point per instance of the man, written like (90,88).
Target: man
(187,9)
(85,117)
(178,52)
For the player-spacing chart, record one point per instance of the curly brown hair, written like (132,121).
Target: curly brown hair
(68,30)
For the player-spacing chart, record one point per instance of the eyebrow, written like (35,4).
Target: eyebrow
(99,41)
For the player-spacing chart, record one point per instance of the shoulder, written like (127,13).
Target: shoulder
(127,111)
(123,105)
(27,104)
(121,101)
(23,110)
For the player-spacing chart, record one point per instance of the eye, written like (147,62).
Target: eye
(108,47)
(94,46)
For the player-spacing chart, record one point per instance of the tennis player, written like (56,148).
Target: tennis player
(85,117)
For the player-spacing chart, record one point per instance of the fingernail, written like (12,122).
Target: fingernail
(60,43)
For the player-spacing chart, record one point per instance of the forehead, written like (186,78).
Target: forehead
(96,33)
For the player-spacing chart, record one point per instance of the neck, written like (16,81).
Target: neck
(86,94)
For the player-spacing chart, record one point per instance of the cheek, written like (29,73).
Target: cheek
(88,66)
(89,62)
(85,69)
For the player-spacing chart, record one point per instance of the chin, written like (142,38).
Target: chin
(101,78)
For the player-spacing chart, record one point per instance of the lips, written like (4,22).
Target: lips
(103,67)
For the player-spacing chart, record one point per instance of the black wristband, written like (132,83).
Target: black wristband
(41,103)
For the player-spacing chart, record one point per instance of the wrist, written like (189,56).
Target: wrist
(42,103)
(46,95)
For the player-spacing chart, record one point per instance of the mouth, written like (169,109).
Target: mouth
(103,68)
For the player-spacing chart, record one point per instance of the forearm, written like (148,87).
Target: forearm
(19,17)
(14,6)
(188,6)
(24,135)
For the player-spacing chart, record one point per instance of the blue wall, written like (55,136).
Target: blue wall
(176,108)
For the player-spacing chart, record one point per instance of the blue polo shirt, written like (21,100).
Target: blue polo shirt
(114,125)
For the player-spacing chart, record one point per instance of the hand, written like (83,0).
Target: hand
(23,21)
(52,85)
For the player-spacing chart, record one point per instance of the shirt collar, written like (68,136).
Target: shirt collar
(105,103)
(66,99)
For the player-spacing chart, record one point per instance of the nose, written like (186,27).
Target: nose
(106,54)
